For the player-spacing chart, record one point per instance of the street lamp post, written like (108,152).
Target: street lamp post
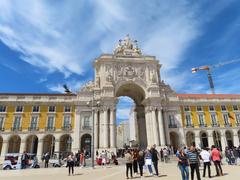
(93,124)
(93,128)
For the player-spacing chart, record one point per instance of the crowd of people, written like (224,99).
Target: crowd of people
(137,160)
(191,157)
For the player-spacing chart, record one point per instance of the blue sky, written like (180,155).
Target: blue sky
(44,44)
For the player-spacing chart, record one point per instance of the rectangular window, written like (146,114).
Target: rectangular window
(226,119)
(171,120)
(34,122)
(237,116)
(51,109)
(188,120)
(50,122)
(19,109)
(67,108)
(86,122)
(211,108)
(223,108)
(17,122)
(199,108)
(1,122)
(214,119)
(67,122)
(201,119)
(2,108)
(235,107)
(35,109)
(186,108)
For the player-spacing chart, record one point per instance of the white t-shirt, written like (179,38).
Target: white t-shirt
(205,156)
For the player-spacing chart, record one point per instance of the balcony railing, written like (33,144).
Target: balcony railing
(172,126)
(67,128)
(215,125)
(202,125)
(16,129)
(33,129)
(189,125)
(50,128)
(228,125)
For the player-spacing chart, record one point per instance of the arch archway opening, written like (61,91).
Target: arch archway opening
(217,139)
(204,139)
(229,138)
(131,115)
(65,145)
(32,144)
(190,139)
(174,140)
(86,141)
(49,144)
(14,143)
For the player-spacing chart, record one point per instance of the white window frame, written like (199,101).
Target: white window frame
(226,115)
(201,124)
(53,122)
(235,106)
(172,120)
(67,111)
(5,109)
(38,109)
(186,107)
(225,110)
(36,123)
(199,110)
(210,109)
(188,124)
(237,117)
(89,120)
(70,121)
(19,111)
(20,123)
(216,119)
(3,122)
(52,111)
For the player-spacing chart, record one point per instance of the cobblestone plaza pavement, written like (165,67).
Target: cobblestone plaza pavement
(167,171)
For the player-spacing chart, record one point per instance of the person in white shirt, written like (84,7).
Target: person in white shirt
(206,157)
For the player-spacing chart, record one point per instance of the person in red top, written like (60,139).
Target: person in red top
(216,158)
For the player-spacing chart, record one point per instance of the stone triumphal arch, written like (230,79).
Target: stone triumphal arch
(126,72)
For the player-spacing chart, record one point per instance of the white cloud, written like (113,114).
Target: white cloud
(65,36)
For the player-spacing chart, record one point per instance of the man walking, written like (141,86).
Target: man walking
(46,158)
(194,162)
(155,158)
(205,156)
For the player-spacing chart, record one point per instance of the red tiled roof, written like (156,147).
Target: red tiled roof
(35,94)
(209,96)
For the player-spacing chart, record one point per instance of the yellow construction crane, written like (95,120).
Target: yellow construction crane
(209,68)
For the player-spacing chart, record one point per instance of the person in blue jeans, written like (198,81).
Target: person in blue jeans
(183,164)
(148,161)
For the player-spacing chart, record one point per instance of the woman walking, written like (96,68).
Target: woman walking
(128,161)
(135,162)
(70,164)
(183,164)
